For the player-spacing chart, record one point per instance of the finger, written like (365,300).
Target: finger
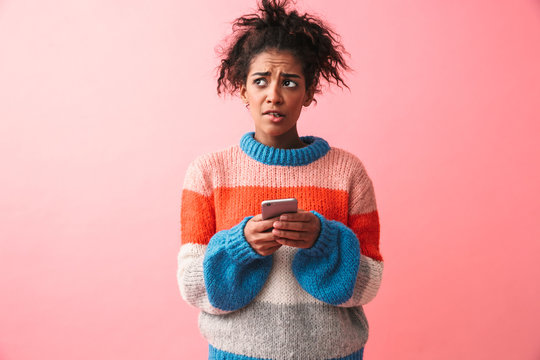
(257,217)
(293,243)
(268,248)
(291,235)
(269,245)
(264,225)
(290,225)
(265,237)
(274,248)
(269,251)
(303,216)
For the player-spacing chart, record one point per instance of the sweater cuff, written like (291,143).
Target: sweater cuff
(326,240)
(237,246)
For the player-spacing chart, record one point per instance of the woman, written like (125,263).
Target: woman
(290,287)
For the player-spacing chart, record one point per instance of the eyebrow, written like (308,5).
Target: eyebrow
(267,73)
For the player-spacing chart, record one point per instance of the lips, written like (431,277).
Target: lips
(275,115)
(273,112)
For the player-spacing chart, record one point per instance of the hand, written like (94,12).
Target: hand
(299,229)
(259,237)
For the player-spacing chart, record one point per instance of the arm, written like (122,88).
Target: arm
(217,272)
(329,268)
(334,270)
(363,220)
(233,272)
(342,266)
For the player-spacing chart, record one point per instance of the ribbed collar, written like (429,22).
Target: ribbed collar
(268,155)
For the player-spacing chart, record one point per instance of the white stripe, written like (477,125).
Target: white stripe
(368,282)
(190,277)
(281,286)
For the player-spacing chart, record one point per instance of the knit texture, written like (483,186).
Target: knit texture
(294,157)
(296,303)
(216,354)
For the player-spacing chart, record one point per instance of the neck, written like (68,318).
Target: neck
(289,140)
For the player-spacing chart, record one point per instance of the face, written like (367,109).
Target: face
(275,92)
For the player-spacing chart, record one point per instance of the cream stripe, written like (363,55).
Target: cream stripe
(281,286)
(368,282)
(191,279)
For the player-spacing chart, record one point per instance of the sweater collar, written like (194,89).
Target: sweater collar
(315,149)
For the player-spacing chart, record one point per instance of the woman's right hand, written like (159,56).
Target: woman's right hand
(259,235)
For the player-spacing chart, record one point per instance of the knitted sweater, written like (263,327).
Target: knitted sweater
(297,303)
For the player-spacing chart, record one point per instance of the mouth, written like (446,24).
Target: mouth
(274,115)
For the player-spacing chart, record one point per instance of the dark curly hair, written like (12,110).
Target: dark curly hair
(308,38)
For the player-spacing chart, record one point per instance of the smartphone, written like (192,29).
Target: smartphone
(273,208)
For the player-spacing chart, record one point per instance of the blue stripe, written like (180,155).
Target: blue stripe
(316,149)
(233,272)
(328,270)
(216,354)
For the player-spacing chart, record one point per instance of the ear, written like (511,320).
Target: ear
(309,96)
(243,93)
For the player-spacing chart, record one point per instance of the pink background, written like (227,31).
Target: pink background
(104,103)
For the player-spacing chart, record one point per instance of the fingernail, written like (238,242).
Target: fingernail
(283,217)
(277,224)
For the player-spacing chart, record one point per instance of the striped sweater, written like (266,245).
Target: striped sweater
(296,303)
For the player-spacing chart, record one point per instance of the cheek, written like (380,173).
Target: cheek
(299,102)
(254,97)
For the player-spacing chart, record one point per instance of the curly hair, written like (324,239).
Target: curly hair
(308,38)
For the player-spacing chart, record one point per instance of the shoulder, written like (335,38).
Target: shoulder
(359,184)
(209,162)
(349,168)
(204,169)
(348,162)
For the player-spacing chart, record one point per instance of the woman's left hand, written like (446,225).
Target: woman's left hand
(299,229)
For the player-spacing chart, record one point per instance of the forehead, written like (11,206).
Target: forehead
(276,61)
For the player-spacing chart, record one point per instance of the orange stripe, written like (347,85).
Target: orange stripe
(234,204)
(199,223)
(367,230)
(197,219)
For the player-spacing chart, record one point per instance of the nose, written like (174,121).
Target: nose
(274,95)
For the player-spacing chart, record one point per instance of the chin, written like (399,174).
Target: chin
(276,132)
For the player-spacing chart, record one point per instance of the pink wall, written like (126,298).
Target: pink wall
(104,103)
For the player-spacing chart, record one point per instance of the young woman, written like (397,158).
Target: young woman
(293,286)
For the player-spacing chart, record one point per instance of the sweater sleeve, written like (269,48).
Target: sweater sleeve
(218,272)
(233,272)
(344,266)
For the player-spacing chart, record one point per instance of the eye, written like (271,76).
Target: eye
(260,81)
(289,83)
